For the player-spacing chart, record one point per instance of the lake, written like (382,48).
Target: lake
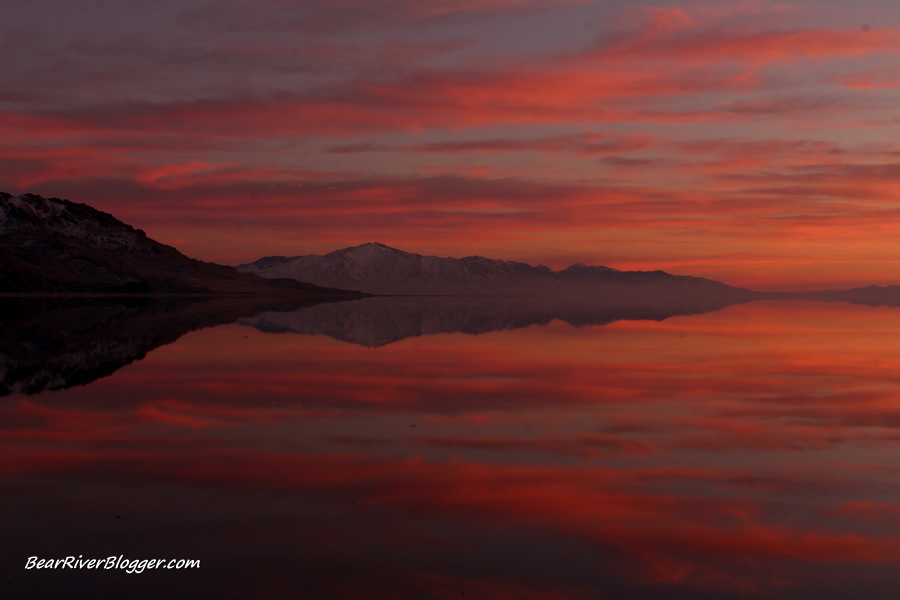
(747,452)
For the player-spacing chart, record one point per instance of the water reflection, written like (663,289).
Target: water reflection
(51,343)
(54,344)
(380,321)
(749,452)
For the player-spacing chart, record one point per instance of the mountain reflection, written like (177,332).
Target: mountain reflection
(57,343)
(379,321)
(54,344)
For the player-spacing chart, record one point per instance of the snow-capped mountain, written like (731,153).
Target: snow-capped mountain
(379,269)
(53,245)
(37,218)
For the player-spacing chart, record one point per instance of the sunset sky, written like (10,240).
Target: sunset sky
(752,142)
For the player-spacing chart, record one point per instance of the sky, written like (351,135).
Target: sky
(752,142)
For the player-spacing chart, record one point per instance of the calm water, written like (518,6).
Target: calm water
(749,452)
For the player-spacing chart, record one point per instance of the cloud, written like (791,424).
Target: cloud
(874,79)
(581,445)
(585,144)
(695,36)
(682,130)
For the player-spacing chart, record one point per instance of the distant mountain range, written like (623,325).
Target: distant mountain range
(378,269)
(48,245)
(60,248)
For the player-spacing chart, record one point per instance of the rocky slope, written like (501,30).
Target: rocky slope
(48,245)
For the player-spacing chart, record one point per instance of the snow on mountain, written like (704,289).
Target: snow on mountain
(48,245)
(37,216)
(379,269)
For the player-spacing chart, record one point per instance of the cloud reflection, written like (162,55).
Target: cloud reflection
(739,453)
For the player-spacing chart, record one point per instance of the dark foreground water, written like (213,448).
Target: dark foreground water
(752,452)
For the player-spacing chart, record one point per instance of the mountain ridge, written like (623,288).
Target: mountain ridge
(55,246)
(376,268)
(51,245)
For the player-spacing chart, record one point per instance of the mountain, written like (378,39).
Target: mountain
(48,245)
(379,269)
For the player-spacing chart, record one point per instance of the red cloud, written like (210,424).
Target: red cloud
(645,185)
(869,79)
(583,445)
(698,35)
